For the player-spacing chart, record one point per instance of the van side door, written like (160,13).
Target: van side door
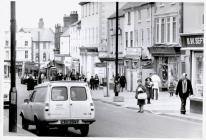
(79,103)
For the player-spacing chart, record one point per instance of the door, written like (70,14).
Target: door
(59,104)
(28,114)
(80,103)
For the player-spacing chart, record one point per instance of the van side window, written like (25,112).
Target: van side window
(78,94)
(59,94)
(32,96)
(40,94)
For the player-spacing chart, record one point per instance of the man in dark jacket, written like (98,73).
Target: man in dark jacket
(122,82)
(30,83)
(184,89)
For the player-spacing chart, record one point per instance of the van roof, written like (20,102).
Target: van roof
(63,83)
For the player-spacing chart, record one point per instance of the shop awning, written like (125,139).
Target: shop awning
(165,50)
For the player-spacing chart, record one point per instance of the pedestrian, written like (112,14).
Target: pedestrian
(140,95)
(148,85)
(30,84)
(171,88)
(96,81)
(122,82)
(184,89)
(91,83)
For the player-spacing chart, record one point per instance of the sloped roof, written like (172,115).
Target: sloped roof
(45,34)
(133,4)
(120,14)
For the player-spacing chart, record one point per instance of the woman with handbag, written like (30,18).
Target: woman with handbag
(141,95)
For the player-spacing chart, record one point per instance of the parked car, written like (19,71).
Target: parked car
(6,92)
(60,104)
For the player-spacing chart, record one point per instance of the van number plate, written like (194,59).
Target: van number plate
(69,121)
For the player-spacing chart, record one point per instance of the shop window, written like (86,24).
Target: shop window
(199,74)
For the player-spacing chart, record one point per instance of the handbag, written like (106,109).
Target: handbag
(142,95)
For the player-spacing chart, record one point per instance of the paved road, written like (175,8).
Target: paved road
(113,121)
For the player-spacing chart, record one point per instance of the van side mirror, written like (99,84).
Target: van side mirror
(26,100)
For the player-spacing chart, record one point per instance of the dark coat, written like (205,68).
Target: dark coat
(122,81)
(30,84)
(179,89)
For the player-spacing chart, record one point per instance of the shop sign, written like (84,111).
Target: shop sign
(192,41)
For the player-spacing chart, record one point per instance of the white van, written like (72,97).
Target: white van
(59,104)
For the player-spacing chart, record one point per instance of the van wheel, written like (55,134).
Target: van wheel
(40,129)
(25,124)
(84,130)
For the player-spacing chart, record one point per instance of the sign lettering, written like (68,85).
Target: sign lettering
(192,41)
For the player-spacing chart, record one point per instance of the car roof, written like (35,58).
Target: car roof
(62,83)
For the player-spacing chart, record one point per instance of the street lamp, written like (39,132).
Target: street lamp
(116,58)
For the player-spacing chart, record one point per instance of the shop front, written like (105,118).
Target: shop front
(192,47)
(166,63)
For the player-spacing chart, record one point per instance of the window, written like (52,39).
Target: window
(44,45)
(139,15)
(37,45)
(157,30)
(89,7)
(168,29)
(126,39)
(26,43)
(86,10)
(44,57)
(142,36)
(148,35)
(32,96)
(174,29)
(162,30)
(93,8)
(136,34)
(97,8)
(26,54)
(7,54)
(78,94)
(37,57)
(129,18)
(148,12)
(131,39)
(59,94)
(7,43)
(40,94)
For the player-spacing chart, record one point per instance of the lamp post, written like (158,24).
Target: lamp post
(13,91)
(116,54)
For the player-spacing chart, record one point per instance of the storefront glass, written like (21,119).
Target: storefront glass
(199,74)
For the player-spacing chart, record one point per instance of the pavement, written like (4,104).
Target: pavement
(20,131)
(165,105)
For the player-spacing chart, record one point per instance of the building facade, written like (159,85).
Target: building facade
(23,52)
(69,47)
(94,36)
(192,51)
(166,49)
(138,28)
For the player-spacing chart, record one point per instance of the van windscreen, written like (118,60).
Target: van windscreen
(78,94)
(59,94)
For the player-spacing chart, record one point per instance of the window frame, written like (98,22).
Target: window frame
(70,89)
(60,87)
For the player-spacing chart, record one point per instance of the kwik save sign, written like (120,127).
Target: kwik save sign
(192,41)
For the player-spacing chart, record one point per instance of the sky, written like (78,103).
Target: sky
(28,12)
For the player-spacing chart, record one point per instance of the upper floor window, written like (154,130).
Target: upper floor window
(148,12)
(26,43)
(44,45)
(142,36)
(139,15)
(129,18)
(166,30)
(148,35)
(126,38)
(89,8)
(37,57)
(136,34)
(44,56)
(162,30)
(7,43)
(174,29)
(7,54)
(92,8)
(131,39)
(26,54)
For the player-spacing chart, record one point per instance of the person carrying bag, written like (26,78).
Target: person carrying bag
(141,96)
